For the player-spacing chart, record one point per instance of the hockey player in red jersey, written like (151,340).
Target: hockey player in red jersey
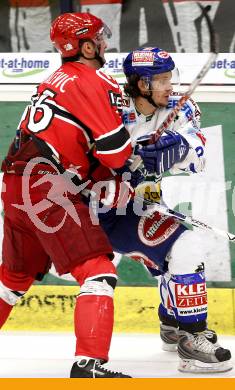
(72,126)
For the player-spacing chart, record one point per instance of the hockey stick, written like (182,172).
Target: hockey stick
(183,218)
(187,219)
(174,112)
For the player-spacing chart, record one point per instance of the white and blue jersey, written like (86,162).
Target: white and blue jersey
(152,236)
(187,123)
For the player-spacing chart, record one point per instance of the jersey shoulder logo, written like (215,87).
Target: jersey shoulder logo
(129,117)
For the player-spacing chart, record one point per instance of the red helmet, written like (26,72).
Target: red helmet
(68,29)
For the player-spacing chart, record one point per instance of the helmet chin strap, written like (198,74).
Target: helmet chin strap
(100,59)
(150,99)
(96,57)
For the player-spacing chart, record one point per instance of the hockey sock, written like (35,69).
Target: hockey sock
(93,326)
(165,318)
(189,298)
(194,327)
(5,310)
(93,316)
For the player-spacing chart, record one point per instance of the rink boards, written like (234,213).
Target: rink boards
(50,308)
(209,197)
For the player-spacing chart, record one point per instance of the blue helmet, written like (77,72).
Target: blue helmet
(147,62)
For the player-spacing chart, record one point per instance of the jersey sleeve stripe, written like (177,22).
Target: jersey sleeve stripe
(109,133)
(50,101)
(113,151)
(114,141)
(54,151)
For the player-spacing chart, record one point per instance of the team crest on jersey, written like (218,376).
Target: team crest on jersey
(156,228)
(142,58)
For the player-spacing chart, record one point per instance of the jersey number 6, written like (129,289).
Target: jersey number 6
(40,110)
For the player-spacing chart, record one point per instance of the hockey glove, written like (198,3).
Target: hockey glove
(134,178)
(163,154)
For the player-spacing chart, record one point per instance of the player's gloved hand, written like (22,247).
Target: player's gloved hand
(134,178)
(159,157)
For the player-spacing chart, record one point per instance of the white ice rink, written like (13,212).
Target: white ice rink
(50,355)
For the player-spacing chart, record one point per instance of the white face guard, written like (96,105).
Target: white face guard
(163,81)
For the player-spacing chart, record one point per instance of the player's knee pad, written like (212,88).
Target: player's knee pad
(102,285)
(10,296)
(195,255)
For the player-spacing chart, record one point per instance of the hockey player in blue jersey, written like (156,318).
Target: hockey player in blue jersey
(156,238)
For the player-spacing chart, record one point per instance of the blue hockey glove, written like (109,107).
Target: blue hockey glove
(135,178)
(162,155)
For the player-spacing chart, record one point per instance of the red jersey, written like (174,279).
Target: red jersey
(77,111)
